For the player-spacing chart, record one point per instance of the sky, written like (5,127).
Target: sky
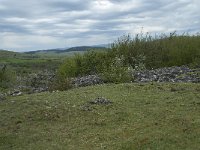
(27,25)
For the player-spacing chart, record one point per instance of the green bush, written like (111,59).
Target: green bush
(68,69)
(89,63)
(117,72)
(160,51)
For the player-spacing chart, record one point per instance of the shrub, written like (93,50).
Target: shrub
(68,69)
(89,63)
(117,72)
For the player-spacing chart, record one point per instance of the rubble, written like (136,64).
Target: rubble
(87,81)
(168,74)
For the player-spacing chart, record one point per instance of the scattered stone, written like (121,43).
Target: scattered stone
(87,81)
(100,101)
(168,74)
(41,81)
(86,107)
(36,82)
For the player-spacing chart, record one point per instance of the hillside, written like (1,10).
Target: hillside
(9,54)
(65,51)
(23,62)
(132,116)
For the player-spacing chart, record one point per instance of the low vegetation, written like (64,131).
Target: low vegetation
(141,116)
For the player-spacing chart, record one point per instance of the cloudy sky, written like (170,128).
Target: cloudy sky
(43,24)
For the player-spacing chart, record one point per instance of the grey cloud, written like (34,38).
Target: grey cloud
(13,28)
(68,6)
(81,21)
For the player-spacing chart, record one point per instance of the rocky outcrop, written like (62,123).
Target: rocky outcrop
(168,74)
(87,81)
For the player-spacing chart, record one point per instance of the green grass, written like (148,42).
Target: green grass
(142,116)
(23,63)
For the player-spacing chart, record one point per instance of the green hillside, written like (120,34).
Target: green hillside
(22,62)
(141,116)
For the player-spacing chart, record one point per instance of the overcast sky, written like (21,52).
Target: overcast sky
(43,24)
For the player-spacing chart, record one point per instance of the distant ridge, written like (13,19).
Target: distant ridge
(72,49)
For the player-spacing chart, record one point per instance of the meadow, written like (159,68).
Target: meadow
(141,116)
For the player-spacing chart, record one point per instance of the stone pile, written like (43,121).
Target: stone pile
(97,101)
(36,82)
(87,81)
(40,82)
(100,101)
(168,74)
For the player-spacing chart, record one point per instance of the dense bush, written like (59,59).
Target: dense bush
(160,51)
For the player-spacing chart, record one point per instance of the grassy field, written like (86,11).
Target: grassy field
(26,63)
(142,116)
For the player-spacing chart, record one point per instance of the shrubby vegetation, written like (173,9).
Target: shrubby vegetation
(104,63)
(128,54)
(160,51)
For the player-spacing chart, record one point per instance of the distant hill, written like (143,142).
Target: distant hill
(72,49)
(6,53)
